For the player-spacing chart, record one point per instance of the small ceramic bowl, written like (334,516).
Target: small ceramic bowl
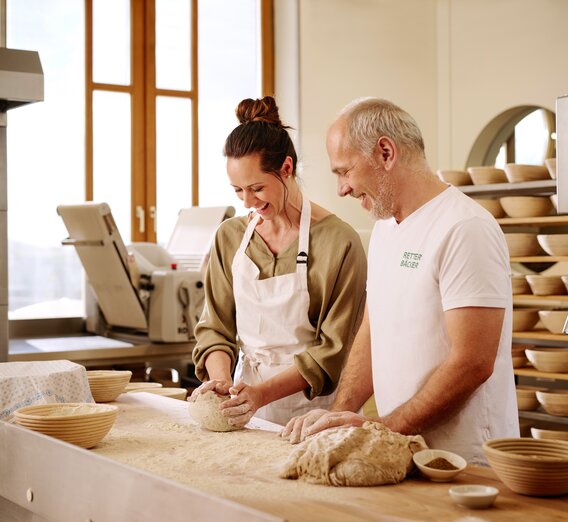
(421,458)
(474,496)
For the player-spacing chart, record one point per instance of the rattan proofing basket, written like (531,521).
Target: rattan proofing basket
(535,467)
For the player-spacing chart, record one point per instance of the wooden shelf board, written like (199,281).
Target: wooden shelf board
(541,301)
(535,221)
(538,259)
(541,415)
(545,187)
(541,335)
(533,372)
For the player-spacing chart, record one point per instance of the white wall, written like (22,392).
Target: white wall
(453,64)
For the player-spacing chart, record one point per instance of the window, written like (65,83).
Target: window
(136,92)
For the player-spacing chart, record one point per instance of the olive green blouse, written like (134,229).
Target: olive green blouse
(337,273)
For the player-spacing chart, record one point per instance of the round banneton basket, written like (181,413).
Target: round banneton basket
(535,467)
(82,424)
(107,385)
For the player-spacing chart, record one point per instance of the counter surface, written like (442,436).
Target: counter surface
(156,436)
(243,466)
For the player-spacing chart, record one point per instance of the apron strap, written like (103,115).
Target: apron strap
(248,234)
(304,242)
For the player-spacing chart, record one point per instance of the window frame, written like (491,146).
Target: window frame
(143,124)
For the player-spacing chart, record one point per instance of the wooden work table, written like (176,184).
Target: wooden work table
(150,444)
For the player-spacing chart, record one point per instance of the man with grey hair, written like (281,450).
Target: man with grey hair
(435,342)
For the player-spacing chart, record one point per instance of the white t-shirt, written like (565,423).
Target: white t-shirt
(450,253)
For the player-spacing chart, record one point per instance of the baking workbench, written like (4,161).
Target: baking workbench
(156,465)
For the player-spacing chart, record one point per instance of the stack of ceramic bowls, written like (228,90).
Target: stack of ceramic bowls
(107,385)
(82,424)
(537,467)
(141,386)
(173,393)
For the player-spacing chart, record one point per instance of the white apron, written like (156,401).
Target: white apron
(273,323)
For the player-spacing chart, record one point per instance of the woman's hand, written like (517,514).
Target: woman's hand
(244,402)
(219,386)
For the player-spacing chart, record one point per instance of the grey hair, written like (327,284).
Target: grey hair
(370,118)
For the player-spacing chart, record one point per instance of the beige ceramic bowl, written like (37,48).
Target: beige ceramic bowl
(492,206)
(530,466)
(522,244)
(517,172)
(526,398)
(553,320)
(554,244)
(551,166)
(524,319)
(519,285)
(554,402)
(474,496)
(546,285)
(421,458)
(487,175)
(548,359)
(172,393)
(564,279)
(526,206)
(455,177)
(539,433)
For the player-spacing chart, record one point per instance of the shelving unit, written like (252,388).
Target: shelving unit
(536,337)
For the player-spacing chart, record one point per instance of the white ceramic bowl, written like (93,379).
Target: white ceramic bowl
(421,458)
(553,320)
(554,244)
(548,359)
(473,496)
(492,206)
(538,433)
(454,177)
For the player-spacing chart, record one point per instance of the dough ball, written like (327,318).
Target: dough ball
(205,411)
(348,456)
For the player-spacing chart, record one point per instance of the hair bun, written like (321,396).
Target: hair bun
(264,110)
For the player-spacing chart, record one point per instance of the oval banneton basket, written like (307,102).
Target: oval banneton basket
(535,467)
(107,385)
(82,424)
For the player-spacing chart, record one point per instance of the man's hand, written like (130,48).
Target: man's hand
(299,428)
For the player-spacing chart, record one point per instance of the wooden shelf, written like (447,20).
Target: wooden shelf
(531,188)
(533,372)
(543,221)
(541,415)
(538,259)
(552,301)
(540,335)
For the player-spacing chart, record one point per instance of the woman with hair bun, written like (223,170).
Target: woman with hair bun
(285,286)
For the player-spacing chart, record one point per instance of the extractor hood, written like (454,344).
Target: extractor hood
(21,78)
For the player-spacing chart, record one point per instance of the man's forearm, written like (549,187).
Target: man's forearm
(356,383)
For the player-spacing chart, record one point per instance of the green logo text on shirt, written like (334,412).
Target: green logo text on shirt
(410,260)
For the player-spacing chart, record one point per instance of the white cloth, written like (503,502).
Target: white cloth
(273,323)
(41,382)
(450,253)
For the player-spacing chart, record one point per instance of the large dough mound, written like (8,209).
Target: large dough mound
(205,411)
(348,456)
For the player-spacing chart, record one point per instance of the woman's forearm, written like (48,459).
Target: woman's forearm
(218,365)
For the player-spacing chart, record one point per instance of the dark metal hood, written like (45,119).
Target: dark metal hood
(21,78)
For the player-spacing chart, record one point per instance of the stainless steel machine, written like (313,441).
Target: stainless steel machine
(143,288)
(21,82)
